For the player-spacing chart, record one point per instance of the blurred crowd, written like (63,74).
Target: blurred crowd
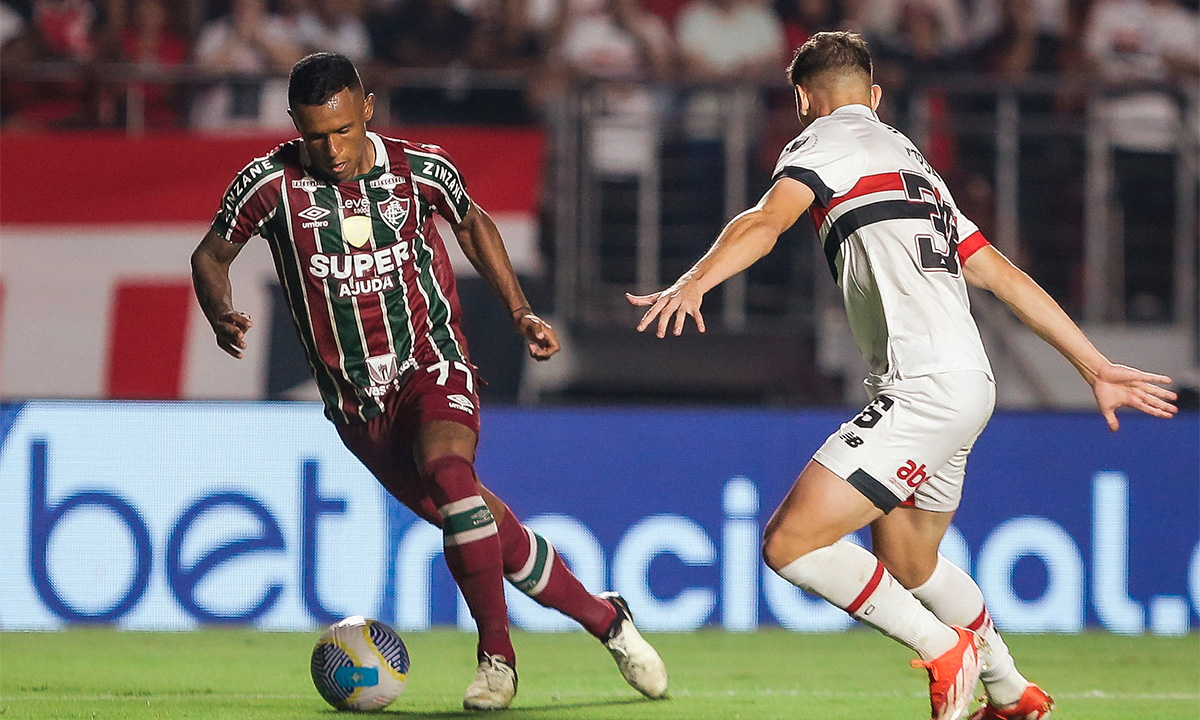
(539,44)
(665,69)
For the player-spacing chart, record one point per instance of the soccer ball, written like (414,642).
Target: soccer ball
(359,664)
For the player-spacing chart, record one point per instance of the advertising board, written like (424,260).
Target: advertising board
(167,516)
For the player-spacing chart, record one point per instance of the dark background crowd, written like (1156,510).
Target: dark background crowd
(216,65)
(539,44)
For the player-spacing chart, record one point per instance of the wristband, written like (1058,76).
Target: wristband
(523,309)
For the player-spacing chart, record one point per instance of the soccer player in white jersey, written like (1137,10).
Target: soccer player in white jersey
(903,255)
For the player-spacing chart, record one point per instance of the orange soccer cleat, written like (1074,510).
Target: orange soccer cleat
(1034,704)
(952,677)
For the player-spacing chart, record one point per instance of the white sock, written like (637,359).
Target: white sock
(853,579)
(955,598)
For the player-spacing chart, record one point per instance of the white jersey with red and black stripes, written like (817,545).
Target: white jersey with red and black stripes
(895,242)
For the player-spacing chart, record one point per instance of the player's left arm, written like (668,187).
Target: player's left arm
(744,241)
(1113,385)
(481,242)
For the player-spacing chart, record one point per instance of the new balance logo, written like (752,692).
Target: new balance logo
(313,212)
(851,439)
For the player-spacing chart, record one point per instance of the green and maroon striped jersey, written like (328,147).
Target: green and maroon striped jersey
(363,269)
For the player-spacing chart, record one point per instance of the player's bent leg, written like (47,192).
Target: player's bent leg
(953,596)
(472,552)
(393,467)
(907,540)
(822,508)
(533,567)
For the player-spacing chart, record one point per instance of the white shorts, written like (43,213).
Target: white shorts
(910,444)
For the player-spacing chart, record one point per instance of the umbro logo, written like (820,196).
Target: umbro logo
(313,212)
(461,402)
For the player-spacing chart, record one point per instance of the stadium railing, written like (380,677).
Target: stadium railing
(641,176)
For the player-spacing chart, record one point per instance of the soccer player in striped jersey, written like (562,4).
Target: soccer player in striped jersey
(902,254)
(348,215)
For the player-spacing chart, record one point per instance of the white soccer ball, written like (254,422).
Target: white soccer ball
(360,665)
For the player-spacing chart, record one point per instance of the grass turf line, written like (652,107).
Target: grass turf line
(248,675)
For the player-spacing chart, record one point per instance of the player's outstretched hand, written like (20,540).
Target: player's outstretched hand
(543,341)
(230,329)
(679,300)
(1118,386)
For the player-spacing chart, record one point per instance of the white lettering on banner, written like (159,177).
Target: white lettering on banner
(84,481)
(649,538)
(1060,608)
(309,540)
(1110,550)
(1194,577)
(740,556)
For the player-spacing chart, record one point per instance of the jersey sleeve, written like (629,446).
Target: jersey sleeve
(433,169)
(970,239)
(249,202)
(820,158)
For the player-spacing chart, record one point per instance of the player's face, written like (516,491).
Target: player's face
(335,134)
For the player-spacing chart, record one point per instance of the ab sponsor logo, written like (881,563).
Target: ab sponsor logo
(911,473)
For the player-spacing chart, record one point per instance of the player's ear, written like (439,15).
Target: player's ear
(369,107)
(876,96)
(292,115)
(801,102)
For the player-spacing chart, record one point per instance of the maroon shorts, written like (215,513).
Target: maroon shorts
(444,391)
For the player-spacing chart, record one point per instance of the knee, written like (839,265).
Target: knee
(782,546)
(910,569)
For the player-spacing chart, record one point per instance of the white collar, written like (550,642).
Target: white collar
(856,109)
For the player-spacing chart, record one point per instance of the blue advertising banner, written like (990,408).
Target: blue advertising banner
(174,515)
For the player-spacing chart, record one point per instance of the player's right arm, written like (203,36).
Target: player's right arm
(744,241)
(210,278)
(1113,385)
(249,202)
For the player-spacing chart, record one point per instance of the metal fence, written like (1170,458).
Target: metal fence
(1036,163)
(641,177)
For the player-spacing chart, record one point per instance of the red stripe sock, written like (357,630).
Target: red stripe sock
(472,549)
(561,591)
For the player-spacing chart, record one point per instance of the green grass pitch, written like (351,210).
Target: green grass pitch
(245,675)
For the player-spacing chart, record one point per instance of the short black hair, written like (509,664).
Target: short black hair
(319,77)
(837,51)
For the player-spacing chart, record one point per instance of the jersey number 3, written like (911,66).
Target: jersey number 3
(938,252)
